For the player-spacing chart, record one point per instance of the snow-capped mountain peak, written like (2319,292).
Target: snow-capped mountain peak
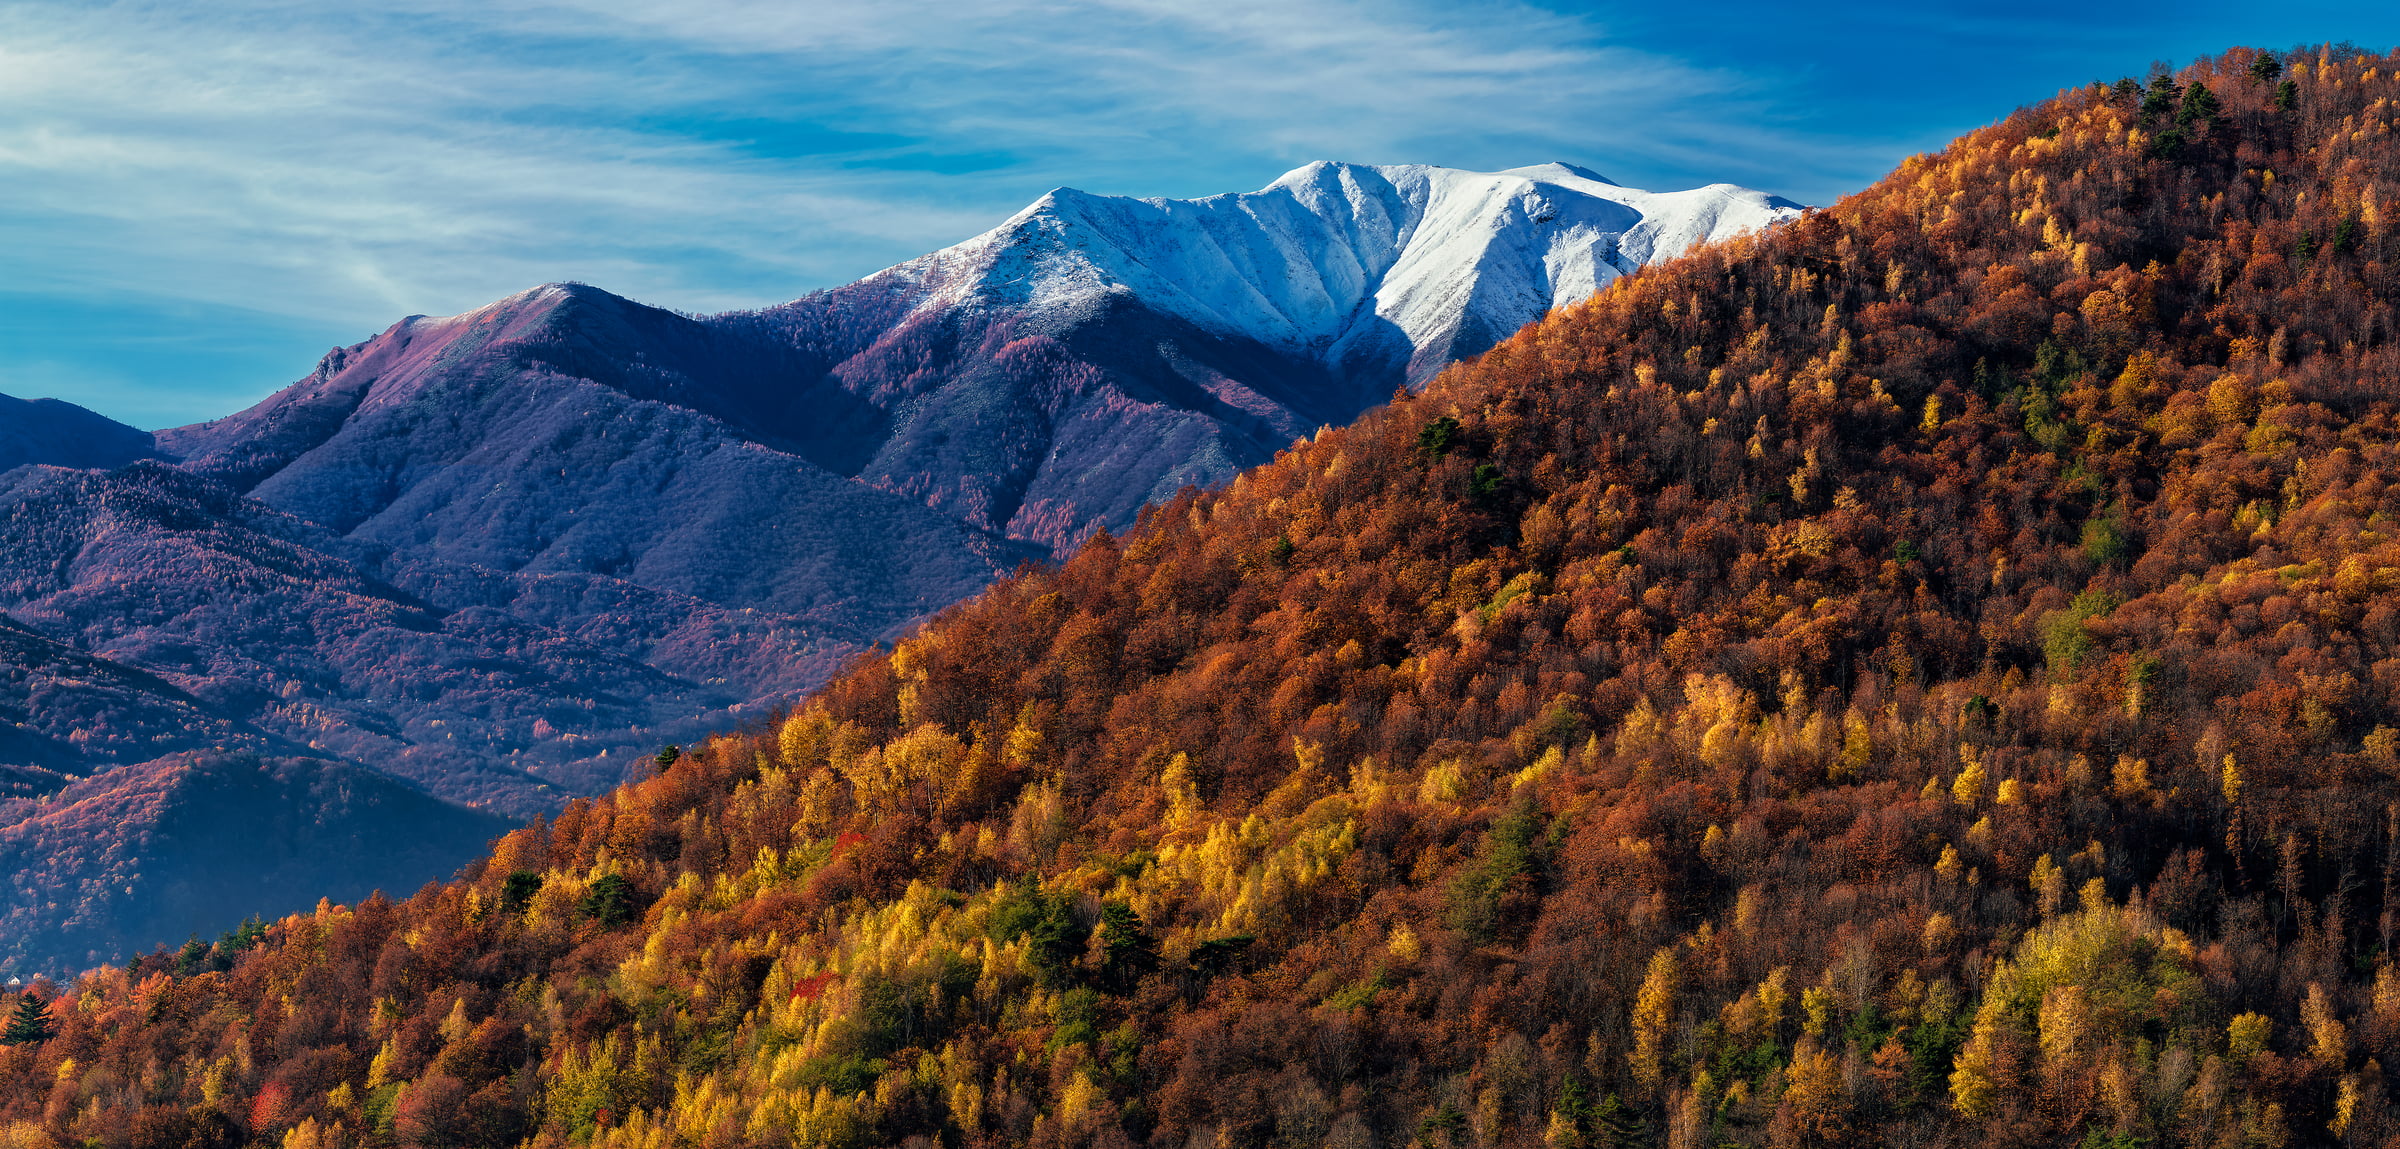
(1353,265)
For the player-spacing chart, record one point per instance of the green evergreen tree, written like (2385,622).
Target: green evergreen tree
(517,893)
(1219,955)
(1437,437)
(232,944)
(192,958)
(2287,95)
(1575,1107)
(1127,950)
(610,902)
(1616,1125)
(1486,481)
(30,1024)
(2265,68)
(1054,943)
(2200,106)
(2164,94)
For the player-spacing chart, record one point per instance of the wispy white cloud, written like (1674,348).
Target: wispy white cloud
(335,167)
(1110,85)
(349,164)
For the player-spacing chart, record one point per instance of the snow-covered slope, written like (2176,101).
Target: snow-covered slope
(1350,265)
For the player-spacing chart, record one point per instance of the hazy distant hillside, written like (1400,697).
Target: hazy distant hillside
(64,712)
(65,435)
(193,843)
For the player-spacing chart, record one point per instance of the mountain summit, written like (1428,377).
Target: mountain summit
(1093,354)
(1357,268)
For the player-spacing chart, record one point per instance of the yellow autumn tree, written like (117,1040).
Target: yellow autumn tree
(1653,1014)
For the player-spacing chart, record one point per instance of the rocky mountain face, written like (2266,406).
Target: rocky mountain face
(503,556)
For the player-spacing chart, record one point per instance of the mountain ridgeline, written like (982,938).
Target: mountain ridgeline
(65,435)
(1924,674)
(503,556)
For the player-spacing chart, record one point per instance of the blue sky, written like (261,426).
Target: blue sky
(198,199)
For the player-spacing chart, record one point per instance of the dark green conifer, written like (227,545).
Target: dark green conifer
(30,1024)
(517,893)
(1219,955)
(1127,950)
(1054,943)
(2164,94)
(1437,437)
(1616,1125)
(610,902)
(1486,481)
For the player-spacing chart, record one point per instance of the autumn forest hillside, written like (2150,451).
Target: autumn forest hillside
(1929,674)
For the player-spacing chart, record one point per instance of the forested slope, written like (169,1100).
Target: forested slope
(1926,674)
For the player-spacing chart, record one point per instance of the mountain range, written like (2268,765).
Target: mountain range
(502,556)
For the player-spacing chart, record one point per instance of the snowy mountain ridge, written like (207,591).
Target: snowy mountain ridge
(1352,265)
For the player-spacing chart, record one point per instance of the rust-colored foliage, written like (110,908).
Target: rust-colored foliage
(1929,673)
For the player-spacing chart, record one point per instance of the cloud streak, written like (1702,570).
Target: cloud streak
(343,165)
(1123,83)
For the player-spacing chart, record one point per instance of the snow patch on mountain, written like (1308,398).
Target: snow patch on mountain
(1347,264)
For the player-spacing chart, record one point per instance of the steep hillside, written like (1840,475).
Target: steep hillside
(565,430)
(1923,675)
(65,435)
